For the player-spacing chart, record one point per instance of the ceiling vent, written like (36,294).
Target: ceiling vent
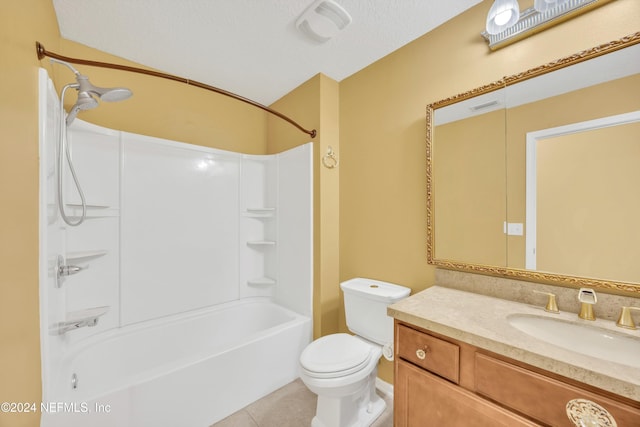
(323,20)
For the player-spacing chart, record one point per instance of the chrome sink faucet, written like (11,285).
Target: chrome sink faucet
(587,298)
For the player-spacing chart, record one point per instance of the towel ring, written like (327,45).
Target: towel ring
(329,160)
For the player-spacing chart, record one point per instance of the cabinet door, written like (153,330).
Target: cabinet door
(423,399)
(540,397)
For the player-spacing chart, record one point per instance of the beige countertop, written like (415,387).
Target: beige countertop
(481,321)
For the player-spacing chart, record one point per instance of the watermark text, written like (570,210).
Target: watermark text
(55,407)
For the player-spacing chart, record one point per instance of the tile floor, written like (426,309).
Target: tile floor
(290,406)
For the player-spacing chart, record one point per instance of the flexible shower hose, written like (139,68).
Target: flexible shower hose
(63,146)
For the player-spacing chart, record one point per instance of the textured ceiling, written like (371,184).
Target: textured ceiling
(249,47)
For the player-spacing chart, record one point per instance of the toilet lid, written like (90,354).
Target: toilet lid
(335,355)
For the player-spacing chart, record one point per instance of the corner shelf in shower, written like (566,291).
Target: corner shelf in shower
(79,319)
(93,211)
(261,243)
(261,281)
(260,212)
(85,255)
(89,207)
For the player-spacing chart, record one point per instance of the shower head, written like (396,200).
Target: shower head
(85,101)
(87,92)
(105,94)
(116,94)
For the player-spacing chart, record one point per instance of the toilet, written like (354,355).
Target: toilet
(342,368)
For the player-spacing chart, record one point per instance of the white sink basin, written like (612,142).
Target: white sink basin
(581,338)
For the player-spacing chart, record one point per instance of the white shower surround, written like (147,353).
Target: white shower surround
(179,240)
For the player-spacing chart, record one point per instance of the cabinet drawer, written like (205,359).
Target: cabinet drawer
(540,397)
(431,353)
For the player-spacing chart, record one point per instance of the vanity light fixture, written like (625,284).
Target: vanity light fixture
(503,15)
(544,5)
(502,30)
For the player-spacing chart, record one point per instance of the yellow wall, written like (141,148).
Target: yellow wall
(21,23)
(469,179)
(165,108)
(382,130)
(315,103)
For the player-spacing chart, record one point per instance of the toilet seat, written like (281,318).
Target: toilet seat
(334,356)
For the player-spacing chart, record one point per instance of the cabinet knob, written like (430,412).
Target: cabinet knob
(585,413)
(421,354)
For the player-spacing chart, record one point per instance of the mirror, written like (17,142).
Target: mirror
(536,176)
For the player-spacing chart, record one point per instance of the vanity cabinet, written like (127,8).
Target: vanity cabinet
(441,381)
(423,399)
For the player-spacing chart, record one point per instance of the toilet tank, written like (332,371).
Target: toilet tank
(365,306)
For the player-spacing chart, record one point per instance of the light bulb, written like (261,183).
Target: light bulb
(503,17)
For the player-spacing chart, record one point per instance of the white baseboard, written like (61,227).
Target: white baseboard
(384,388)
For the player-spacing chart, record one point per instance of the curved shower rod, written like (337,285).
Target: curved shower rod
(42,52)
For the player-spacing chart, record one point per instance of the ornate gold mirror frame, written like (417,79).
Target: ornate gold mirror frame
(528,275)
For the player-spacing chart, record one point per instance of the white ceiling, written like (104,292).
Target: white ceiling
(249,47)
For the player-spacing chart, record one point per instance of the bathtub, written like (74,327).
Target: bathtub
(190,370)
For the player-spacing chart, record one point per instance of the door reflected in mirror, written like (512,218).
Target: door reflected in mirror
(582,199)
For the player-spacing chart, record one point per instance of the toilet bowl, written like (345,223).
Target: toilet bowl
(342,368)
